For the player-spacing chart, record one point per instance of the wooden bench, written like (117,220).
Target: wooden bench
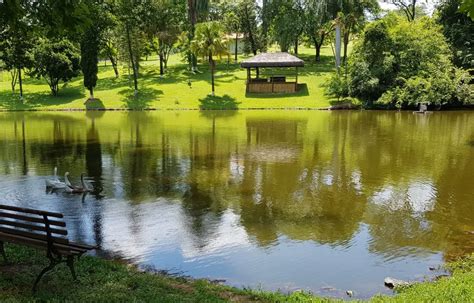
(41,230)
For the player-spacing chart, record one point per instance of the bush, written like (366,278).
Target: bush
(440,89)
(338,86)
(400,64)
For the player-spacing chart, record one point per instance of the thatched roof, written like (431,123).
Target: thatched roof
(273,60)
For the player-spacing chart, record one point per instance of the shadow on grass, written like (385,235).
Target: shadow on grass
(225,102)
(303,91)
(66,95)
(142,100)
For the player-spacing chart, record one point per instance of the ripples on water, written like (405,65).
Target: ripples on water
(280,200)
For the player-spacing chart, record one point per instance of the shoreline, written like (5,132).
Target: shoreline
(116,280)
(153,109)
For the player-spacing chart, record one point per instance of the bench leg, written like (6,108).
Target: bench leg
(50,267)
(2,251)
(70,264)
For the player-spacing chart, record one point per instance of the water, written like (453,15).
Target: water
(320,201)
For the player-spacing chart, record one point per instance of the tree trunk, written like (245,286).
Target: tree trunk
(318,45)
(162,70)
(91,91)
(236,46)
(346,43)
(114,65)
(14,78)
(338,46)
(211,61)
(251,38)
(20,80)
(296,46)
(132,60)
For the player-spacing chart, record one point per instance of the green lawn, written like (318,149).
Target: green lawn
(173,90)
(113,281)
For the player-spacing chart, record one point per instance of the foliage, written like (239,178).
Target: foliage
(209,42)
(401,63)
(55,62)
(459,31)
(247,12)
(338,86)
(288,23)
(467,6)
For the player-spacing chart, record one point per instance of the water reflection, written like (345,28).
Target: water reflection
(273,198)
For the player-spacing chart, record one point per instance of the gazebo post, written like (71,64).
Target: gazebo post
(272,79)
(296,83)
(248,80)
(258,73)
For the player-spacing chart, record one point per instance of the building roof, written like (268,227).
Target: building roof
(273,60)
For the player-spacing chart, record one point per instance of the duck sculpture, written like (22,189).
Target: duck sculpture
(84,188)
(55,183)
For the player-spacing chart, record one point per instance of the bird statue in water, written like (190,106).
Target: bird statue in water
(55,183)
(84,188)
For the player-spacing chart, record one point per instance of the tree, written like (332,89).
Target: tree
(317,25)
(208,43)
(400,63)
(458,29)
(196,8)
(16,39)
(89,59)
(162,26)
(247,13)
(232,25)
(55,62)
(408,7)
(90,44)
(352,17)
(467,6)
(288,23)
(129,14)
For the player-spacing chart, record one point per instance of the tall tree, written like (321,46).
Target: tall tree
(196,9)
(408,7)
(247,13)
(317,25)
(352,18)
(129,14)
(209,42)
(91,42)
(458,29)
(288,23)
(16,38)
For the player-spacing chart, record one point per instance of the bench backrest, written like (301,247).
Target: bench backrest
(33,224)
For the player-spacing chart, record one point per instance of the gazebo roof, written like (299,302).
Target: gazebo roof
(273,60)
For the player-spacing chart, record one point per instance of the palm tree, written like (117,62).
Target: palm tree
(209,42)
(195,8)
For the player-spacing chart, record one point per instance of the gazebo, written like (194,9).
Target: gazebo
(271,73)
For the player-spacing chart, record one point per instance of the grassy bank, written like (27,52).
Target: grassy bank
(178,89)
(113,281)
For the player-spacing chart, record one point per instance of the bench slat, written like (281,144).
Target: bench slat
(29,234)
(31,211)
(62,248)
(33,227)
(30,219)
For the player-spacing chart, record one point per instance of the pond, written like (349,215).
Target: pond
(289,200)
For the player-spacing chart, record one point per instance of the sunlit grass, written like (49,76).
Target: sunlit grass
(177,89)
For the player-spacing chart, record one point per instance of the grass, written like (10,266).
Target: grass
(113,281)
(178,89)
